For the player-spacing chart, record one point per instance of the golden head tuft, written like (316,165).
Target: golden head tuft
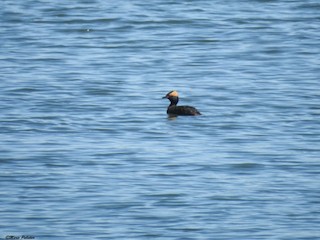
(173,93)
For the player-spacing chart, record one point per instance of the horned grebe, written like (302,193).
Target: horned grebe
(174,110)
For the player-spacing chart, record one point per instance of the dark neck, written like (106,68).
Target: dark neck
(173,101)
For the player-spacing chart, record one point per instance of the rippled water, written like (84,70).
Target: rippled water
(87,150)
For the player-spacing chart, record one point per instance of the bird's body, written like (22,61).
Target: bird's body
(174,110)
(183,111)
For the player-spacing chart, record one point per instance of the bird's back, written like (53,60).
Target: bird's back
(183,110)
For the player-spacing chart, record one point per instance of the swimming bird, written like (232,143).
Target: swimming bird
(174,110)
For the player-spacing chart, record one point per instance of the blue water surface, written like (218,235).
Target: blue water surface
(88,152)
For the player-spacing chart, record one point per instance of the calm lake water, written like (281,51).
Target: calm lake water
(87,150)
